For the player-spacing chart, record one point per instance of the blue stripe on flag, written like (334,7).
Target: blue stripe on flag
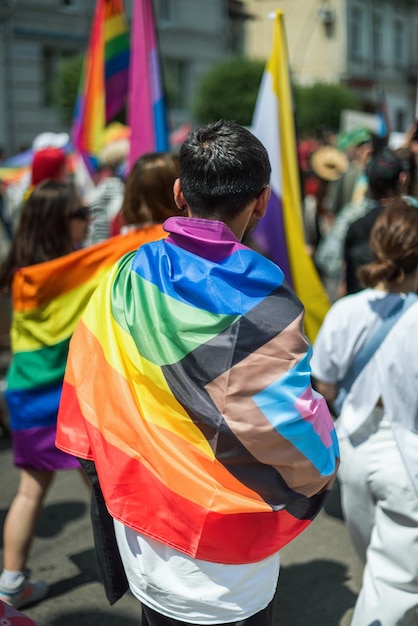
(117,64)
(160,126)
(34,408)
(277,403)
(240,281)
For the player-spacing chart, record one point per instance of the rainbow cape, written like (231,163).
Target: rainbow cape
(103,85)
(280,234)
(48,300)
(188,384)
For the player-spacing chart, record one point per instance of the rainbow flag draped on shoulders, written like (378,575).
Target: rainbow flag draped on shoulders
(202,423)
(280,234)
(47,301)
(103,88)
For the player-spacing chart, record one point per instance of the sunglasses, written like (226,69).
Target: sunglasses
(82,213)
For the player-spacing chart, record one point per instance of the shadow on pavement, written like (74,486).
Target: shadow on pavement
(313,593)
(57,515)
(5,441)
(88,572)
(95,618)
(53,519)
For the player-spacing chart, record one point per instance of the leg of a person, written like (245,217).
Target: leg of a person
(390,581)
(265,617)
(21,519)
(356,498)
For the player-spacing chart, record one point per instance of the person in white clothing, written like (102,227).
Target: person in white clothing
(365,357)
(106,198)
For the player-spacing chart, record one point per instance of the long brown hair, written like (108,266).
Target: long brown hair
(394,244)
(149,189)
(44,228)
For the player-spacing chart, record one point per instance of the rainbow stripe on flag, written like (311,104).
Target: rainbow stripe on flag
(280,234)
(147,106)
(47,301)
(195,421)
(17,169)
(13,169)
(104,80)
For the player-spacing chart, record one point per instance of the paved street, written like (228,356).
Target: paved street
(319,578)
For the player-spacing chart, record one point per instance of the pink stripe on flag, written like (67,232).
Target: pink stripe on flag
(141,119)
(313,408)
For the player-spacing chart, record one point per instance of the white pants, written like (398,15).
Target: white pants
(380,507)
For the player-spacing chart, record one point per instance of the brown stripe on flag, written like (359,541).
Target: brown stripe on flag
(233,392)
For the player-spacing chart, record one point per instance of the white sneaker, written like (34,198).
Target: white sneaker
(26,593)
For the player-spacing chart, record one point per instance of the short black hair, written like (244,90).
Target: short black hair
(223,166)
(383,172)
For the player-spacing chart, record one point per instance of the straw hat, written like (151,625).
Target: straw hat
(329,163)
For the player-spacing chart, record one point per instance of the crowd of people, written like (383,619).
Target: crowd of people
(367,254)
(212,436)
(347,179)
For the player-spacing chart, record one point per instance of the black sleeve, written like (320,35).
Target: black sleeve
(110,564)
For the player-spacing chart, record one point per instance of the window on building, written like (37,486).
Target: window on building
(357,33)
(399,43)
(176,80)
(52,57)
(378,38)
(165,11)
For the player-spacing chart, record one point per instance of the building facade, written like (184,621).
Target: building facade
(36,34)
(365,44)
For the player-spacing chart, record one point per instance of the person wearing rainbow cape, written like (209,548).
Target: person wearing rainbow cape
(187,394)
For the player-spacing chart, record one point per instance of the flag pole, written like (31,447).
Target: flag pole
(280,234)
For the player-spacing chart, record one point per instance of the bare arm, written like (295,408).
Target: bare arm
(328,390)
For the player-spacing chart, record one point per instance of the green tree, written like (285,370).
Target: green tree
(320,104)
(65,87)
(229,91)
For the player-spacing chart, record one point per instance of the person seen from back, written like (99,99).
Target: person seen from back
(105,200)
(384,173)
(53,223)
(148,196)
(211,449)
(365,360)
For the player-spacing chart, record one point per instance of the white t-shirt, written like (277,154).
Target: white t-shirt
(105,202)
(192,590)
(391,374)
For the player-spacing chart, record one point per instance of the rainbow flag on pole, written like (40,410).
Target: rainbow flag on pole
(47,301)
(103,85)
(147,106)
(280,234)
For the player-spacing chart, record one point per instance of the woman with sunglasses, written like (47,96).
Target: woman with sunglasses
(53,223)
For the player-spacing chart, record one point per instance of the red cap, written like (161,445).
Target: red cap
(47,163)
